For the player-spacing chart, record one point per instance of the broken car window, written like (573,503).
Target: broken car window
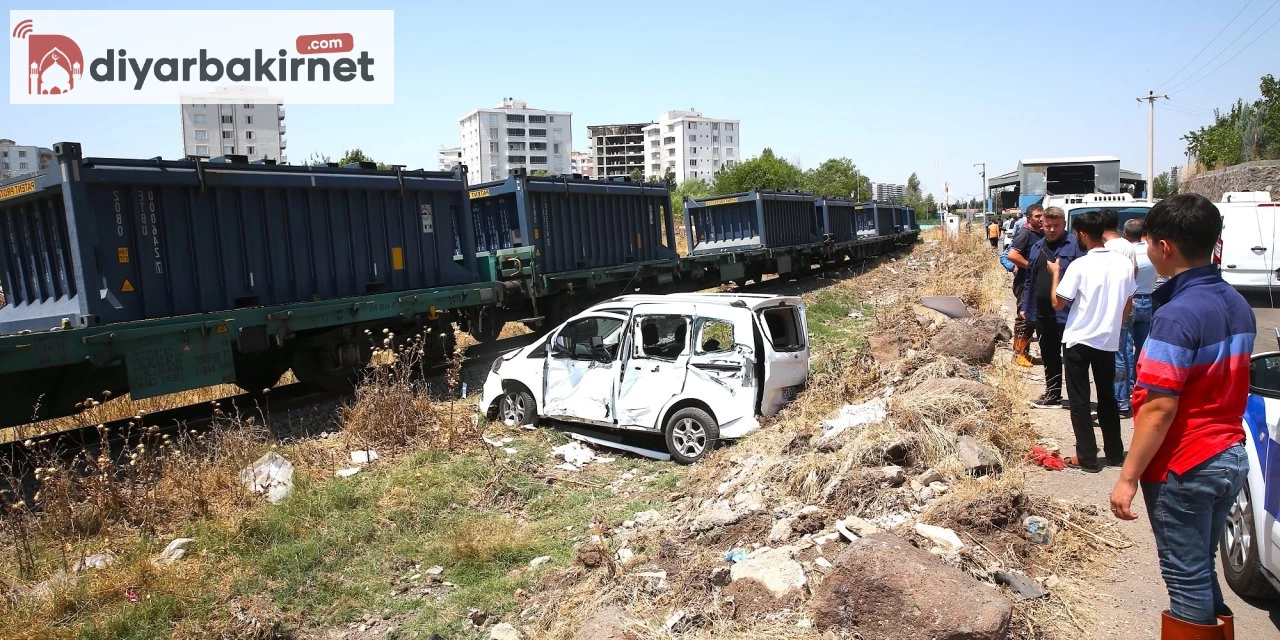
(715,336)
(663,336)
(783,324)
(581,332)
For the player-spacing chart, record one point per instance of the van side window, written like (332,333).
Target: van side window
(663,336)
(714,336)
(783,324)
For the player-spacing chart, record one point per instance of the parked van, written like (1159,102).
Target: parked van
(1247,248)
(696,368)
(1250,543)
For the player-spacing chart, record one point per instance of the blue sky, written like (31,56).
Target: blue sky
(896,86)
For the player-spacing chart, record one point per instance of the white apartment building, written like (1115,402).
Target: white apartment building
(582,163)
(234,121)
(514,135)
(690,145)
(450,157)
(19,160)
(886,192)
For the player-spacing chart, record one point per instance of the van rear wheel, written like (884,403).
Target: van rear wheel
(690,433)
(1241,566)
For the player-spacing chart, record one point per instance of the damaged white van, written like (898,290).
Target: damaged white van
(696,368)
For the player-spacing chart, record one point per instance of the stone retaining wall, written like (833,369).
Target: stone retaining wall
(1262,175)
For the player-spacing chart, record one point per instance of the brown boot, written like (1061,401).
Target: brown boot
(1172,628)
(1228,626)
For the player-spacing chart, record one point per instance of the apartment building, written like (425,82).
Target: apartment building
(450,157)
(242,121)
(20,160)
(582,163)
(887,192)
(514,135)
(618,149)
(690,145)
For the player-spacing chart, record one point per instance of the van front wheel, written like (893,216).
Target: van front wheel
(690,433)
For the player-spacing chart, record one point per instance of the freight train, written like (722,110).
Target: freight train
(151,276)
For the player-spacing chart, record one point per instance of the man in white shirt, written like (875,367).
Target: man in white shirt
(1126,358)
(1098,286)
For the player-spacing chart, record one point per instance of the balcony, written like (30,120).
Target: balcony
(283,143)
(282,129)
(280,111)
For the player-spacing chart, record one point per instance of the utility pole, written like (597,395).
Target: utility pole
(982,193)
(1151,98)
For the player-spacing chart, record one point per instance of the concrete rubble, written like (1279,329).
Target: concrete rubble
(271,474)
(773,568)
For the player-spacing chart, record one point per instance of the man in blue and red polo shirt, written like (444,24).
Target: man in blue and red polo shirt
(1188,443)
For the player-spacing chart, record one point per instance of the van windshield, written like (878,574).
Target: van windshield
(783,328)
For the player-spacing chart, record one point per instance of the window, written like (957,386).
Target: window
(555,148)
(201,134)
(198,105)
(228,120)
(516,132)
(515,159)
(669,140)
(671,152)
(728,151)
(22,165)
(248,150)
(248,119)
(537,159)
(22,154)
(670,128)
(730,139)
(228,150)
(6,154)
(249,135)
(715,138)
(493,132)
(715,126)
(654,144)
(693,125)
(580,333)
(671,164)
(693,163)
(783,324)
(538,133)
(515,146)
(228,135)
(202,149)
(728,126)
(248,105)
(537,146)
(656,167)
(693,150)
(199,118)
(693,138)
(714,336)
(663,337)
(493,146)
(511,117)
(553,118)
(655,155)
(537,119)
(494,119)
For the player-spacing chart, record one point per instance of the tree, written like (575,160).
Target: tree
(1165,185)
(695,188)
(317,159)
(764,172)
(670,177)
(637,175)
(539,172)
(1248,131)
(356,155)
(837,178)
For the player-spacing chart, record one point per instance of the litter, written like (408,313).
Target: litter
(1048,459)
(855,315)
(346,473)
(1025,587)
(737,555)
(510,451)
(1037,529)
(941,536)
(271,474)
(853,415)
(364,456)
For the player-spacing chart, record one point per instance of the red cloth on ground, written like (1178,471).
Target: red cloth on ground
(1048,459)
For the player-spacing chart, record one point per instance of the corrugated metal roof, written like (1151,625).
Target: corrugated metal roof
(1070,160)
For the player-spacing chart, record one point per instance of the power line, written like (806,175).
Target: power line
(1209,44)
(1181,84)
(1233,56)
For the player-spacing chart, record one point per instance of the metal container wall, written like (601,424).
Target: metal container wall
(838,220)
(912,224)
(100,240)
(575,223)
(757,219)
(899,217)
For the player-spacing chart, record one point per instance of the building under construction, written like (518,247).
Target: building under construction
(1036,178)
(618,149)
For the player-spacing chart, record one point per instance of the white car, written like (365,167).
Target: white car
(696,368)
(1250,544)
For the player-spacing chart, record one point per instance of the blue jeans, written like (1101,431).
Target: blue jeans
(1140,320)
(1187,515)
(1126,363)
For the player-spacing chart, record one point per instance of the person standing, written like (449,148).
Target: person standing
(1021,220)
(1124,355)
(1097,288)
(1140,319)
(993,234)
(1019,250)
(1188,451)
(1037,307)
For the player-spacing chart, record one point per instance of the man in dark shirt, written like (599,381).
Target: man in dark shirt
(1036,307)
(1019,251)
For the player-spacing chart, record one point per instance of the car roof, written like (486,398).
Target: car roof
(753,301)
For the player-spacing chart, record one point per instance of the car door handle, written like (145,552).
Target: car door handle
(1257,249)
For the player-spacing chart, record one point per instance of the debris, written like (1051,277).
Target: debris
(1037,529)
(435,571)
(477,617)
(624,554)
(926,494)
(781,530)
(941,536)
(890,521)
(736,555)
(775,569)
(826,538)
(883,587)
(822,562)
(510,451)
(539,561)
(174,551)
(887,348)
(805,623)
(591,556)
(860,527)
(851,416)
(719,514)
(628,524)
(1050,460)
(939,488)
(95,561)
(893,474)
(963,341)
(346,473)
(605,624)
(844,531)
(504,631)
(364,456)
(271,474)
(985,394)
(647,518)
(672,620)
(972,454)
(808,509)
(1025,587)
(856,315)
(660,576)
(574,453)
(721,576)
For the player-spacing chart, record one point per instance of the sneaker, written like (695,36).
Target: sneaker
(1065,404)
(1047,401)
(1125,414)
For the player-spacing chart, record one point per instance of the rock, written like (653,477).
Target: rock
(882,587)
(721,576)
(271,474)
(719,514)
(477,617)
(887,348)
(985,394)
(1025,587)
(364,456)
(504,631)
(775,569)
(960,339)
(926,494)
(939,489)
(539,561)
(647,518)
(95,561)
(624,554)
(928,318)
(974,456)
(994,326)
(174,551)
(435,571)
(941,536)
(822,562)
(929,476)
(591,556)
(811,508)
(893,474)
(605,624)
(844,531)
(628,524)
(346,473)
(860,527)
(58,582)
(781,530)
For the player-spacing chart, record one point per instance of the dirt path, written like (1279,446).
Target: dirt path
(1127,605)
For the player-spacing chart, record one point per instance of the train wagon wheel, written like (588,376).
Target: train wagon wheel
(483,326)
(261,377)
(320,366)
